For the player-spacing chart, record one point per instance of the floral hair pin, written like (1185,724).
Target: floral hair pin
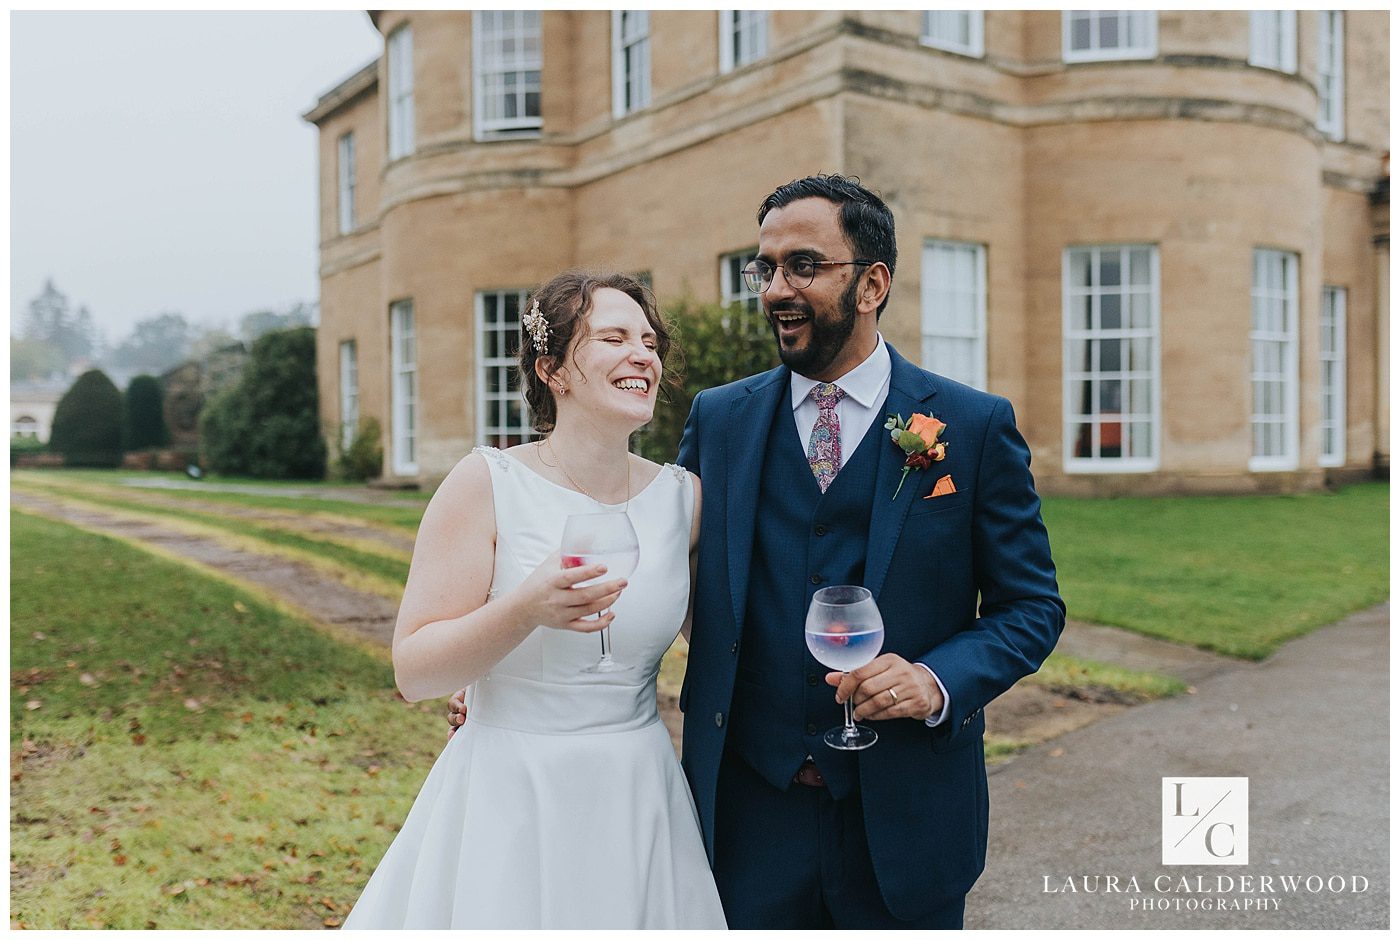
(538,327)
(918,438)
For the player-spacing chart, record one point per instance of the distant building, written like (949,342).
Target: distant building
(1163,236)
(186,388)
(32,405)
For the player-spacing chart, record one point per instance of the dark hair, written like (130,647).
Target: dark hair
(866,221)
(565,301)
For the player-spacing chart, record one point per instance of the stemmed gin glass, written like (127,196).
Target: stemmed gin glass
(601,538)
(844,631)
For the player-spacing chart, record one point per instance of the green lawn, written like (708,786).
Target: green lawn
(1238,575)
(183,756)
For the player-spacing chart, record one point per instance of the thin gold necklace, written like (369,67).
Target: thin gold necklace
(567,475)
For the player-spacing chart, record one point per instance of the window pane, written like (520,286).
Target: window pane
(1110,312)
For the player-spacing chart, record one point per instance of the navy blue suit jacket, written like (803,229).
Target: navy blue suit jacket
(924,790)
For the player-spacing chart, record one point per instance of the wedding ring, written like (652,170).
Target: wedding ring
(893,696)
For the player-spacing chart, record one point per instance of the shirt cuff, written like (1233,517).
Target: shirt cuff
(942,715)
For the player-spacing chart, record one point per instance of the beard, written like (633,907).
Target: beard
(827,336)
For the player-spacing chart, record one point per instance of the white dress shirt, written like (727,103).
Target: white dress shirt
(866,387)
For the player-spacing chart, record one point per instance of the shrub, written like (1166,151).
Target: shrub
(267,423)
(364,458)
(87,425)
(24,447)
(145,414)
(719,345)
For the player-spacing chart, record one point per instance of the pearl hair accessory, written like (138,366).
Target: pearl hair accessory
(538,328)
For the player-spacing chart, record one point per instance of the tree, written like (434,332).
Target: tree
(267,424)
(255,324)
(145,414)
(156,344)
(720,344)
(35,359)
(87,425)
(51,320)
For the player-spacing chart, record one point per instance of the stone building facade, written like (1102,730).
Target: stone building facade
(1163,236)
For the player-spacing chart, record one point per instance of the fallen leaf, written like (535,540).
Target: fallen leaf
(329,904)
(240,607)
(193,704)
(33,705)
(40,635)
(138,739)
(118,859)
(87,678)
(1058,752)
(331,921)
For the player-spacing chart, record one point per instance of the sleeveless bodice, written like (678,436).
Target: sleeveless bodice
(539,685)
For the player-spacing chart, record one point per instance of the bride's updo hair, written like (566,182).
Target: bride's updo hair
(564,303)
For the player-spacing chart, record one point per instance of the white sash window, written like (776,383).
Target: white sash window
(1273,378)
(1112,359)
(403,354)
(954,295)
(502,417)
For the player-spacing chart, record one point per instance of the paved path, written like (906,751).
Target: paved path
(1309,727)
(316,594)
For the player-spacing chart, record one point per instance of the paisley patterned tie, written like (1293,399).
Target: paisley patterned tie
(824,450)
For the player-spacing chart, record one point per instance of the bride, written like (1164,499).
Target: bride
(560,804)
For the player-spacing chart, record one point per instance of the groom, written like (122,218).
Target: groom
(803,490)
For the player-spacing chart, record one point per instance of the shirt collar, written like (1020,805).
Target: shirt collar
(863,383)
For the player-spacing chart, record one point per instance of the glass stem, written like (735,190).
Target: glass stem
(850,730)
(605,638)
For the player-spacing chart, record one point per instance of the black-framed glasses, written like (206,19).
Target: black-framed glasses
(799,271)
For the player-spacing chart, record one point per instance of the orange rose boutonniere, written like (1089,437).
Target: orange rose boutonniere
(918,438)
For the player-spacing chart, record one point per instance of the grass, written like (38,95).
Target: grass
(184,756)
(1238,575)
(1063,673)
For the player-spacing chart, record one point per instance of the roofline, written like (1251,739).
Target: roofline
(362,82)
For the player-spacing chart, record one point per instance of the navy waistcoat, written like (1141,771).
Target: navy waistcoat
(804,540)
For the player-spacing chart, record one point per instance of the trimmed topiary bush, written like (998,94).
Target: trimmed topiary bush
(267,424)
(87,425)
(145,414)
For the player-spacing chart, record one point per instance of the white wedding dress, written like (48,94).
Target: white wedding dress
(560,803)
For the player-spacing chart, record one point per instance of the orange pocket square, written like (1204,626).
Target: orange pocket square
(943,487)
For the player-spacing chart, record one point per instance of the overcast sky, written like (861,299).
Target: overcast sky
(158,161)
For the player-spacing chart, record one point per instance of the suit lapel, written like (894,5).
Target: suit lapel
(750,419)
(910,389)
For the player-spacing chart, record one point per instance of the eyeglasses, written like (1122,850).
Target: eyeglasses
(799,271)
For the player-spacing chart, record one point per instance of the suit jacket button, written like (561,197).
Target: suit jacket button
(811,729)
(811,680)
(820,530)
(719,719)
(816,579)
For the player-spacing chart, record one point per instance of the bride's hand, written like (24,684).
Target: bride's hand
(548,597)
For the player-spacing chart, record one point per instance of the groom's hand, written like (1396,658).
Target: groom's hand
(916,693)
(456,712)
